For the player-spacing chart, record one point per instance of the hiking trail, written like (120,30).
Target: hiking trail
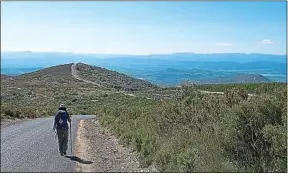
(75,74)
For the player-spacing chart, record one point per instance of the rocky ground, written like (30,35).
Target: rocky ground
(99,151)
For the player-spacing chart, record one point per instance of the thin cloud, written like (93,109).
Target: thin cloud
(224,44)
(267,41)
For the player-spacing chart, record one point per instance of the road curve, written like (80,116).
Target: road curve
(31,146)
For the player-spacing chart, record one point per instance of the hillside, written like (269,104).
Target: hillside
(50,86)
(61,76)
(4,77)
(111,79)
(56,76)
(242,78)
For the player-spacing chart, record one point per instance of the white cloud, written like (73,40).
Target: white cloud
(267,41)
(224,44)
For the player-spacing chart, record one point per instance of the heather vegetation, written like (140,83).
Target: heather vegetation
(175,129)
(205,133)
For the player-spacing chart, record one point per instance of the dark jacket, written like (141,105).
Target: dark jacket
(59,115)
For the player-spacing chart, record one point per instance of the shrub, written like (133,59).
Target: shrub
(18,114)
(187,160)
(9,113)
(235,96)
(245,132)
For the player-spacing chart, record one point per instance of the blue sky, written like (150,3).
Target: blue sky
(144,27)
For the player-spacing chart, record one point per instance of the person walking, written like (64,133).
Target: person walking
(61,126)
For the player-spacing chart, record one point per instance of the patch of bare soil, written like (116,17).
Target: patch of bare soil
(101,151)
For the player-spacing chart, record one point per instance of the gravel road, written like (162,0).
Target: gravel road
(30,146)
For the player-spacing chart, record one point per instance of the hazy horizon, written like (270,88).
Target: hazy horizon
(62,52)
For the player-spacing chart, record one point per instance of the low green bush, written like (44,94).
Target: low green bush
(204,133)
(249,132)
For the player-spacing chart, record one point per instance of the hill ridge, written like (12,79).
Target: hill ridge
(108,78)
(79,74)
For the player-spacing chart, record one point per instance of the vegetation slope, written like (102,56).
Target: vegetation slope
(176,129)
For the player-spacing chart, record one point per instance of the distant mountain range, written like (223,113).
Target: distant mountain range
(64,57)
(164,69)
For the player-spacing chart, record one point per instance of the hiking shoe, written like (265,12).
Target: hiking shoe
(64,153)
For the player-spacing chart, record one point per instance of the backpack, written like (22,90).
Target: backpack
(61,120)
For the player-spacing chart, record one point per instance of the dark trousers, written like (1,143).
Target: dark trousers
(63,140)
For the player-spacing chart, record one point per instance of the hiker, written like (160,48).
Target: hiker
(61,125)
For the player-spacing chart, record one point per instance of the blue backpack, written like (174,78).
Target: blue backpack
(61,120)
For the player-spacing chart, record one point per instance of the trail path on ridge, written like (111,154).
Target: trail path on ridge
(75,74)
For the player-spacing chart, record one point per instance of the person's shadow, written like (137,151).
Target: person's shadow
(82,161)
